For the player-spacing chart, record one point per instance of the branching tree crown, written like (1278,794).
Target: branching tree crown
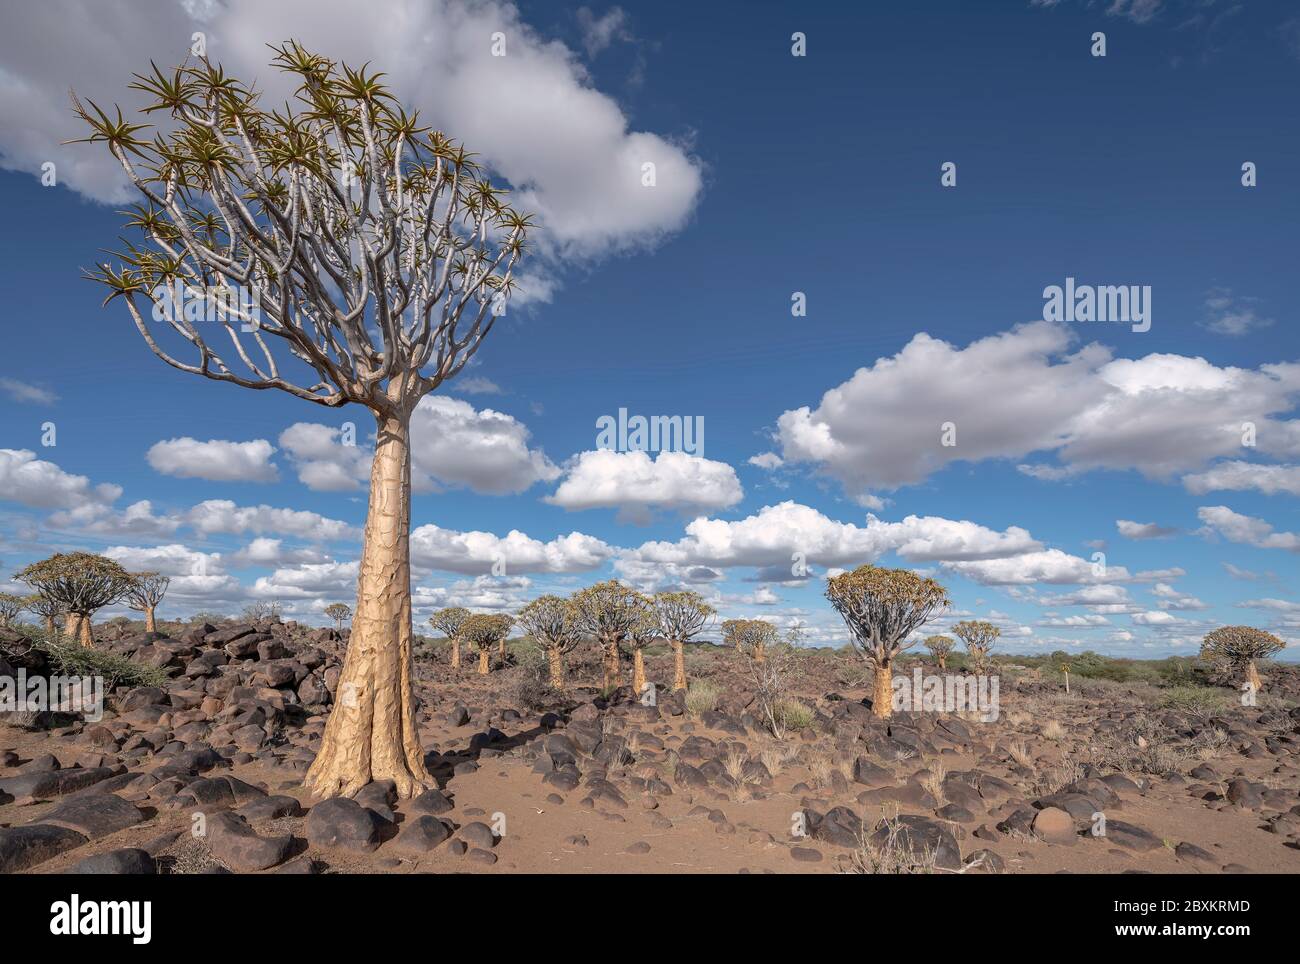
(682,615)
(147,591)
(449,621)
(882,607)
(373,248)
(609,610)
(339,612)
(10,606)
(485,631)
(1238,646)
(552,622)
(979,637)
(938,645)
(80,582)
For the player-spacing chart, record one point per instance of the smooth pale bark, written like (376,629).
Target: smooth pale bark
(1252,676)
(943,662)
(882,691)
(455,652)
(556,659)
(87,638)
(638,671)
(371,734)
(760,653)
(483,654)
(679,664)
(49,626)
(501,649)
(150,623)
(72,626)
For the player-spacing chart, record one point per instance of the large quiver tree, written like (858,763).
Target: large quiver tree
(1238,647)
(79,583)
(608,611)
(370,249)
(882,607)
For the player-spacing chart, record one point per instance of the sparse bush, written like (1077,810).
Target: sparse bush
(701,696)
(1199,700)
(1053,730)
(793,715)
(70,659)
(534,689)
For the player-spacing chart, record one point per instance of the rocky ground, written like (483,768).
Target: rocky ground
(203,775)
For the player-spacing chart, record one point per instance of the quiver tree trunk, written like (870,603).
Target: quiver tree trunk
(455,652)
(501,650)
(760,652)
(484,654)
(679,664)
(638,671)
(1252,676)
(613,666)
(150,622)
(49,626)
(77,626)
(371,733)
(943,662)
(882,690)
(556,660)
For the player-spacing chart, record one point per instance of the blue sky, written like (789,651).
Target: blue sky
(778,174)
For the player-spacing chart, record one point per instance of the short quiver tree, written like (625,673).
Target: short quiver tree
(682,617)
(643,632)
(81,583)
(484,632)
(374,252)
(449,622)
(751,637)
(552,622)
(939,647)
(1238,647)
(47,609)
(881,608)
(979,638)
(340,613)
(145,595)
(608,611)
(10,606)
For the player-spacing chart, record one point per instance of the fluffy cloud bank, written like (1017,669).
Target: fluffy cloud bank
(637,485)
(215,460)
(1160,414)
(532,114)
(452,444)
